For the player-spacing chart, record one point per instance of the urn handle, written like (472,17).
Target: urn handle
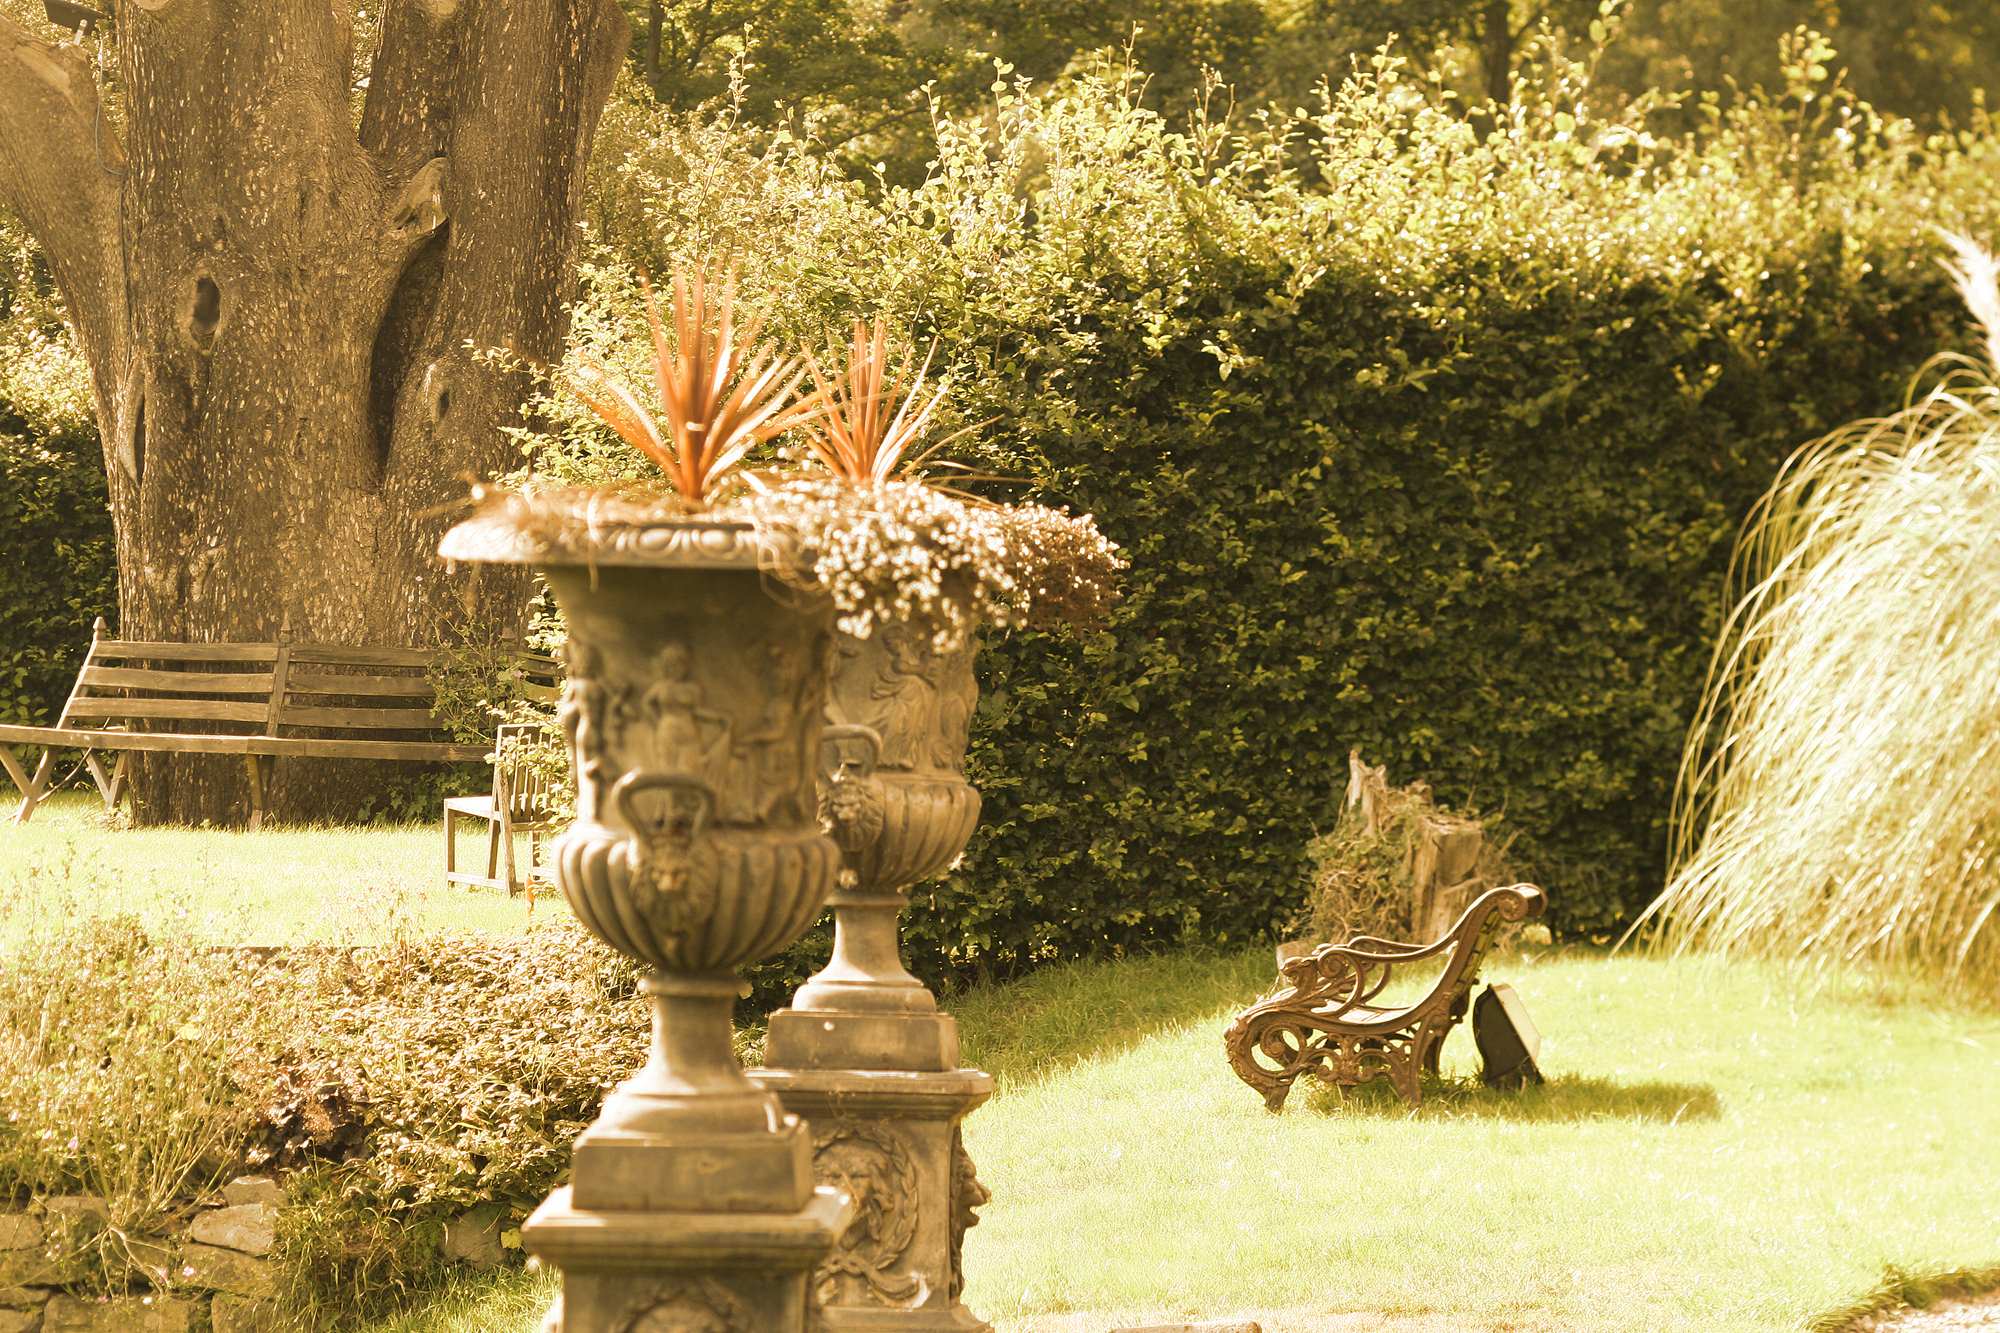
(687,806)
(833,763)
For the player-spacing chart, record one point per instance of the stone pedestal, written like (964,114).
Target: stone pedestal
(629,1271)
(862,1053)
(889,1139)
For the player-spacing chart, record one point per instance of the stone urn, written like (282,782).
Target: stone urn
(693,710)
(862,1052)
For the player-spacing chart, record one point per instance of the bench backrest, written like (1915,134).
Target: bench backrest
(129,685)
(279,688)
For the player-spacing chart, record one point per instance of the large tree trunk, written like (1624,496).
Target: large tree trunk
(279,306)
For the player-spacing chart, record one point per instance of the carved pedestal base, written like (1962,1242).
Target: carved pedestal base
(642,1272)
(889,1139)
(818,1039)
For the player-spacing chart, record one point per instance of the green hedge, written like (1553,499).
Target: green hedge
(1423,438)
(57,559)
(57,566)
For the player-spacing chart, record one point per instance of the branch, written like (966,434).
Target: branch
(59,173)
(406,117)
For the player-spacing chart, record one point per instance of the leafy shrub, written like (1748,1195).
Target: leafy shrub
(479,1062)
(122,1076)
(57,570)
(392,1088)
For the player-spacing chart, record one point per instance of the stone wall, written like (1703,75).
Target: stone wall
(212,1271)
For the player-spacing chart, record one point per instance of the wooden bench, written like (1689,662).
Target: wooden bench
(257,700)
(1325,1018)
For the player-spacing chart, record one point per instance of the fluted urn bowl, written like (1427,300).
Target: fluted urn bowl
(914,705)
(925,823)
(894,793)
(693,708)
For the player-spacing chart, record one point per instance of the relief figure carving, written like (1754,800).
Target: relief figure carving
(698,1305)
(875,1170)
(967,1197)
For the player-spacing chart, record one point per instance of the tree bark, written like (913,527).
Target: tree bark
(1497,40)
(278,308)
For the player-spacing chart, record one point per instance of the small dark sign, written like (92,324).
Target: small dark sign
(1508,1041)
(77,18)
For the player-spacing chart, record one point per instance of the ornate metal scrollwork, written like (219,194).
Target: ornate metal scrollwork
(875,1170)
(1323,1020)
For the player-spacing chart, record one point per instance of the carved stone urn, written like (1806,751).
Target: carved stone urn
(693,710)
(863,1052)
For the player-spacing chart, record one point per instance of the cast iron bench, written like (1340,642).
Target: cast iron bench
(1323,1018)
(256,700)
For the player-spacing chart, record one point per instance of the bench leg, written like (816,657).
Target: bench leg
(120,771)
(506,834)
(493,849)
(12,764)
(31,788)
(255,763)
(101,778)
(450,843)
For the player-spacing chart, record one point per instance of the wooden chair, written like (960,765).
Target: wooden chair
(1323,1018)
(523,801)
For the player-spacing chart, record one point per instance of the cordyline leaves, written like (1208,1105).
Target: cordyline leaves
(863,424)
(720,393)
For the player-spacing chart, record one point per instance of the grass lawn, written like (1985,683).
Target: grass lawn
(277,886)
(1714,1151)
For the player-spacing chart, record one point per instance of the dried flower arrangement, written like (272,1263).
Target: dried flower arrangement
(861,519)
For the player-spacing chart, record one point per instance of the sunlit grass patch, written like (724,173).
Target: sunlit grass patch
(284,885)
(1717,1148)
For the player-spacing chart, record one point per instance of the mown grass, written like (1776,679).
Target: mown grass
(276,886)
(1715,1149)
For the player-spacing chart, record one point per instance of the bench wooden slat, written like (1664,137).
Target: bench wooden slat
(322,748)
(205,710)
(334,654)
(359,687)
(377,719)
(178,682)
(88,738)
(85,738)
(109,649)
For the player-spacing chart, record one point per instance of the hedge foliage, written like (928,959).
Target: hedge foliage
(1426,433)
(57,562)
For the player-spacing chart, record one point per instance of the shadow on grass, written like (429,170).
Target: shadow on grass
(1063,1015)
(1567,1097)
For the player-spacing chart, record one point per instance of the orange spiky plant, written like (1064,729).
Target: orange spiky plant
(863,424)
(720,393)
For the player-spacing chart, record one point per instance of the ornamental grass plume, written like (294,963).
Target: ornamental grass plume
(1839,796)
(720,393)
